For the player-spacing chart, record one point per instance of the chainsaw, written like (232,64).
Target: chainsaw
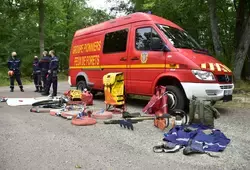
(131,118)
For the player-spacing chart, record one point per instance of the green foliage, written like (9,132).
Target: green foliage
(19,28)
(193,16)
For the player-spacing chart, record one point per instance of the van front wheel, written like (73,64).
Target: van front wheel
(176,98)
(81,85)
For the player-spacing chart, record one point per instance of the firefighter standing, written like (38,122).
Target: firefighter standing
(52,76)
(44,66)
(37,74)
(14,65)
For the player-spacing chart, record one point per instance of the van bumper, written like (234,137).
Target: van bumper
(209,91)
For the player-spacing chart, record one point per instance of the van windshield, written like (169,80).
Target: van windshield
(179,38)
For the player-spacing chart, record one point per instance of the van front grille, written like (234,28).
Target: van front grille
(226,87)
(224,78)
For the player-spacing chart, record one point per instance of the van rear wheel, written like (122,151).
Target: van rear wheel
(176,98)
(81,85)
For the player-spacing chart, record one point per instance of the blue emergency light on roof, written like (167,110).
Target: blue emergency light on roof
(149,12)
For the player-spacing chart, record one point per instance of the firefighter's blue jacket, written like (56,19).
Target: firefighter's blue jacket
(36,68)
(14,64)
(44,63)
(216,141)
(53,66)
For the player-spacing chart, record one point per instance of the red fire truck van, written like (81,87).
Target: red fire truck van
(150,51)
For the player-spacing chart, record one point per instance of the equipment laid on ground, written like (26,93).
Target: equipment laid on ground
(114,90)
(167,148)
(42,109)
(102,114)
(24,101)
(57,102)
(87,97)
(158,102)
(123,123)
(3,99)
(196,138)
(126,124)
(158,106)
(77,97)
(117,121)
(53,112)
(160,121)
(83,119)
(130,118)
(202,112)
(69,113)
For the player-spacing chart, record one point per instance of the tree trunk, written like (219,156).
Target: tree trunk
(240,18)
(242,50)
(247,74)
(41,25)
(214,28)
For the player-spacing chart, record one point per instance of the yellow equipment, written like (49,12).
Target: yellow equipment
(74,95)
(114,89)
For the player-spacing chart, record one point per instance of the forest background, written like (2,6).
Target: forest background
(31,26)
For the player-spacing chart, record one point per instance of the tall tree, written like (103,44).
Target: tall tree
(41,25)
(242,50)
(215,29)
(240,18)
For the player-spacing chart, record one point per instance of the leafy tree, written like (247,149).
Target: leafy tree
(30,26)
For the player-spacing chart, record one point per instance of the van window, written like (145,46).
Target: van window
(115,41)
(179,38)
(144,37)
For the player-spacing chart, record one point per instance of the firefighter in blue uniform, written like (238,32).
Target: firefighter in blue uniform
(37,74)
(14,65)
(44,67)
(52,76)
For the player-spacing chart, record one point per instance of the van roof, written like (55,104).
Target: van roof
(135,17)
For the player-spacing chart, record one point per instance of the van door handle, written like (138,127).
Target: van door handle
(123,59)
(135,58)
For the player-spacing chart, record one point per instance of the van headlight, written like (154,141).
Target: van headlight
(203,75)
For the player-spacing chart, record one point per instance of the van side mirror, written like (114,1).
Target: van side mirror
(165,48)
(156,43)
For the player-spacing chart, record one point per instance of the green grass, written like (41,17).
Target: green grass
(242,86)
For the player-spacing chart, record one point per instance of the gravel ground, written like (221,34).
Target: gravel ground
(40,141)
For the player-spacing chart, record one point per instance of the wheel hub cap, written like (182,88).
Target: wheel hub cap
(172,100)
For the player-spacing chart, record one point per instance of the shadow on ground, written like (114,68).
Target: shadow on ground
(224,111)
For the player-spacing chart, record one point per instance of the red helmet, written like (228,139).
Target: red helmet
(10,73)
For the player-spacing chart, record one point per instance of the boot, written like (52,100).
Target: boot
(21,90)
(37,90)
(42,89)
(45,94)
(11,90)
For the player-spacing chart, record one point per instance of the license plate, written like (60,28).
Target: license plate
(228,92)
(228,95)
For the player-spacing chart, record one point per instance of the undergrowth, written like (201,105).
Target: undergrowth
(4,79)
